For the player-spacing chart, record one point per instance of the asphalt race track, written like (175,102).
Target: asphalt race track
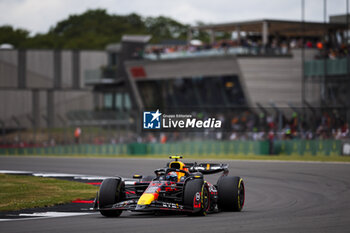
(280,197)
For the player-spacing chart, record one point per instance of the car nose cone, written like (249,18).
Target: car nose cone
(140,207)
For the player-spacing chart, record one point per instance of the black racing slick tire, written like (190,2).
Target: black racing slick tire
(196,195)
(231,193)
(109,194)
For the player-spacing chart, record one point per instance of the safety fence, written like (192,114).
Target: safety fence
(211,148)
(308,147)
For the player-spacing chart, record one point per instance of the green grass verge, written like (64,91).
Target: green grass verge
(21,192)
(321,158)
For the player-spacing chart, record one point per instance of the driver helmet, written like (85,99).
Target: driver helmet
(171,176)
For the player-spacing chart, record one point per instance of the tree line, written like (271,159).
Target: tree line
(94,29)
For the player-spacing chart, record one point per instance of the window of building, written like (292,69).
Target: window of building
(108,100)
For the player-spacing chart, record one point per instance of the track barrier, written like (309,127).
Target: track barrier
(208,148)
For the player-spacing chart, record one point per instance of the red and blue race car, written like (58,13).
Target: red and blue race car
(177,187)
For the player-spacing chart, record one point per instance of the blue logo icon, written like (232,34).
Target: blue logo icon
(151,120)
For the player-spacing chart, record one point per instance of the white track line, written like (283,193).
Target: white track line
(90,177)
(53,214)
(45,215)
(59,175)
(14,172)
(56,175)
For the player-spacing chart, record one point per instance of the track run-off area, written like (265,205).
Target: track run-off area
(280,197)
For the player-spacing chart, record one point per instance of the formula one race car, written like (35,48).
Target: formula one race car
(177,187)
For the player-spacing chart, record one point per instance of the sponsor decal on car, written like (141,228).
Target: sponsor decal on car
(196,201)
(172,205)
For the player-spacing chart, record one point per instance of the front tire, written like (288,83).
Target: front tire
(109,194)
(231,193)
(196,195)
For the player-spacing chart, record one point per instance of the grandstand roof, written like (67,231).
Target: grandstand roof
(281,27)
(136,38)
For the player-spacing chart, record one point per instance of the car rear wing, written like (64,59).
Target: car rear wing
(207,168)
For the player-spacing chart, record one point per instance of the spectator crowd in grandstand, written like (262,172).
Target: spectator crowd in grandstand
(244,46)
(242,125)
(249,46)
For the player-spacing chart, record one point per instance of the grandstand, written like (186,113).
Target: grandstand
(272,67)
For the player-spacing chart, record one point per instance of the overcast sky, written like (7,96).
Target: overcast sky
(39,15)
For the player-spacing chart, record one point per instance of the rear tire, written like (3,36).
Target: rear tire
(231,193)
(193,188)
(109,194)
